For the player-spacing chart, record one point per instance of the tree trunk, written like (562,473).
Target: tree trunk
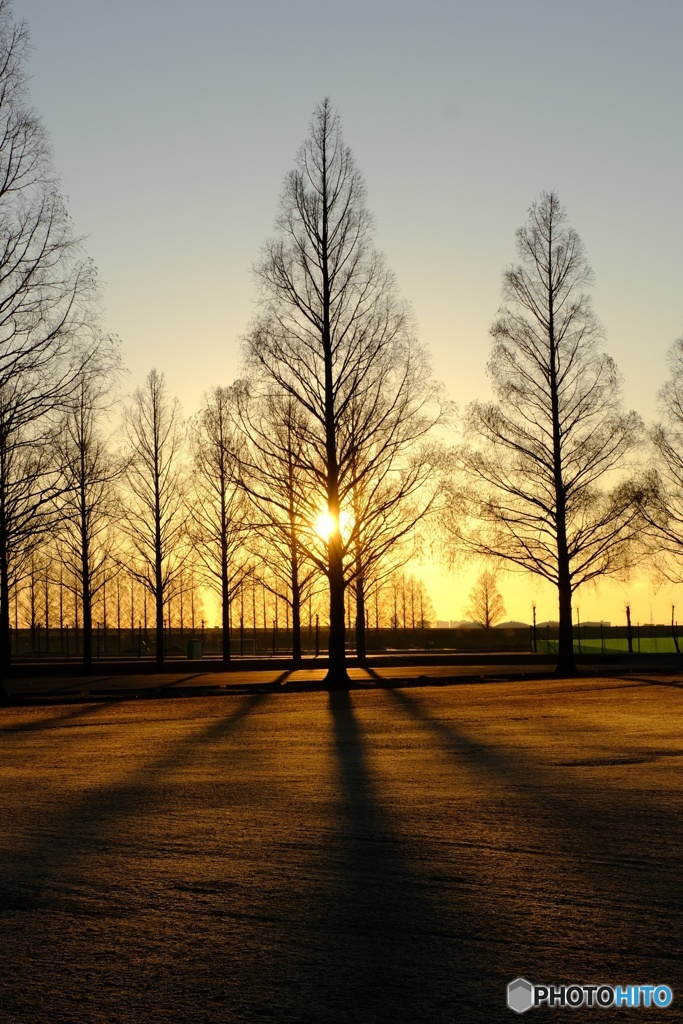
(159,608)
(360,620)
(159,590)
(296,612)
(673,631)
(86,596)
(225,603)
(5,633)
(566,665)
(337,677)
(565,647)
(87,623)
(159,600)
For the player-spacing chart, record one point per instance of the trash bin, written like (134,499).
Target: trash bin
(194,649)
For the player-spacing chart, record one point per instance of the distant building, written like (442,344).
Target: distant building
(458,624)
(553,623)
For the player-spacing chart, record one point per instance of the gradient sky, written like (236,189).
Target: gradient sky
(173,126)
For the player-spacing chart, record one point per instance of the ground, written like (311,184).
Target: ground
(389,855)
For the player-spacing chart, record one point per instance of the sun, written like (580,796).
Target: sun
(325,525)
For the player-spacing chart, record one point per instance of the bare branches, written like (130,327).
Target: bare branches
(661,500)
(87,509)
(486,606)
(546,451)
(154,518)
(219,510)
(48,327)
(333,338)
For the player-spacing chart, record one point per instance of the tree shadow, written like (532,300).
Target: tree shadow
(407,942)
(649,681)
(599,873)
(183,679)
(60,720)
(118,887)
(81,827)
(77,685)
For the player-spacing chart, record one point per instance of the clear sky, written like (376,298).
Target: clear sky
(173,125)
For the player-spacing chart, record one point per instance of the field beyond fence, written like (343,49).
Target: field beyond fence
(111,643)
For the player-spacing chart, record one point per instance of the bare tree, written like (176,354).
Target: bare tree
(330,332)
(219,508)
(274,474)
(426,607)
(486,606)
(46,291)
(27,493)
(89,471)
(661,503)
(544,452)
(395,478)
(154,516)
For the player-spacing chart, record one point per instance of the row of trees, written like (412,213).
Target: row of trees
(47,612)
(168,511)
(546,480)
(50,343)
(325,463)
(324,460)
(328,430)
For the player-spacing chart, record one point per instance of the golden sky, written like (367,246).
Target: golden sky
(173,126)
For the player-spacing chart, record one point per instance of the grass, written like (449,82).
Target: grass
(615,645)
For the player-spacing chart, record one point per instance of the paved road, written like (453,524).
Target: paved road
(392,855)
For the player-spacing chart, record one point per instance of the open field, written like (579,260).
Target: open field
(374,856)
(617,645)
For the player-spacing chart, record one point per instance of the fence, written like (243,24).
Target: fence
(107,642)
(638,639)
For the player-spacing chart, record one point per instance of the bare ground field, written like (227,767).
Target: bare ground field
(385,855)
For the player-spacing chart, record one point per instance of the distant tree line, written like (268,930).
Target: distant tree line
(308,484)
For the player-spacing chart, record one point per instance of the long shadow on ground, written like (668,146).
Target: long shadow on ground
(393,962)
(587,875)
(54,721)
(79,826)
(94,899)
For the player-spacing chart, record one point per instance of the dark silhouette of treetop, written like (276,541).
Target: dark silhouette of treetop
(486,606)
(662,498)
(47,320)
(333,336)
(545,451)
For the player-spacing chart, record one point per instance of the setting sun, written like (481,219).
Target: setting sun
(325,525)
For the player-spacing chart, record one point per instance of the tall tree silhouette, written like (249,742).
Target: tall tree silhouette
(662,498)
(545,451)
(219,509)
(155,516)
(89,471)
(330,331)
(46,314)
